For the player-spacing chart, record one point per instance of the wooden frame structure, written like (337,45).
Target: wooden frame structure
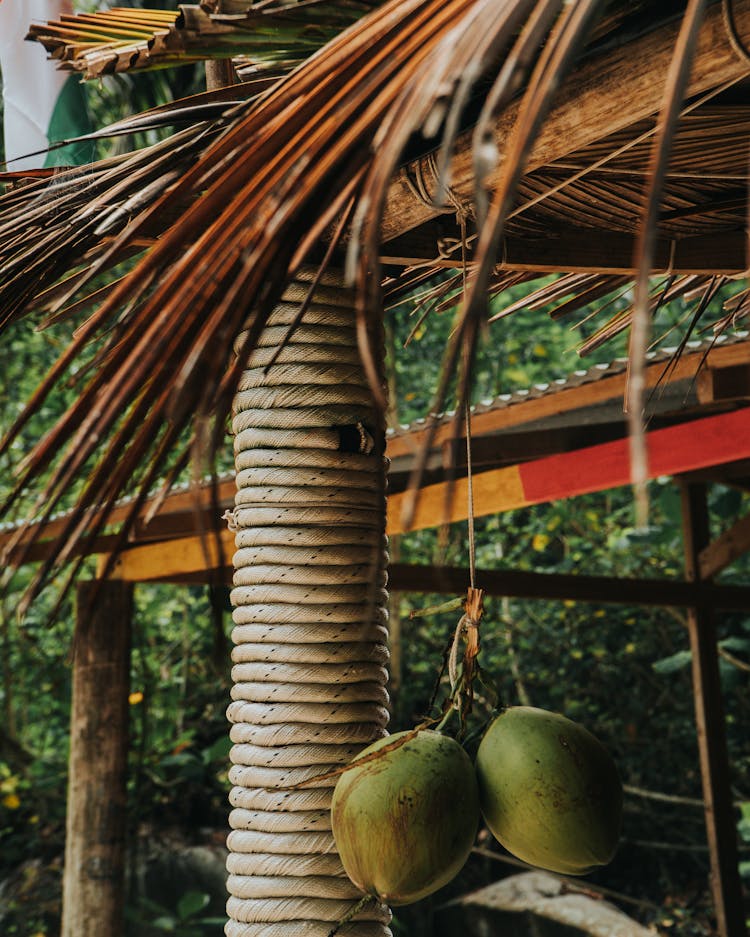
(695,448)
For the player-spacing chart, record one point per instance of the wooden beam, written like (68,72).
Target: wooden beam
(688,447)
(692,445)
(173,560)
(96,820)
(605,252)
(493,451)
(519,584)
(721,823)
(606,93)
(736,474)
(192,502)
(721,385)
(151,563)
(732,544)
(568,399)
(176,515)
(676,449)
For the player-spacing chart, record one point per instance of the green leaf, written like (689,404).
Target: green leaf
(191,903)
(735,643)
(673,663)
(219,751)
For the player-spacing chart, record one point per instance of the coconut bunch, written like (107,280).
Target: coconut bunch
(546,788)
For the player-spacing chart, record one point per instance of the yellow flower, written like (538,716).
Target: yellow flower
(629,647)
(540,351)
(12,801)
(8,785)
(539,542)
(135,698)
(599,613)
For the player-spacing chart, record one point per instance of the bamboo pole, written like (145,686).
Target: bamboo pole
(710,724)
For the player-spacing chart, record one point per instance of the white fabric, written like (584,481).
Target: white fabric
(31,84)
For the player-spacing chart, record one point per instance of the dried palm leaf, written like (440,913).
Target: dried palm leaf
(639,335)
(123,39)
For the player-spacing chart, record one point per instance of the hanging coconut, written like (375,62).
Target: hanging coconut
(549,791)
(404,821)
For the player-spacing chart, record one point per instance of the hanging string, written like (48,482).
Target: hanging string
(467,628)
(467,419)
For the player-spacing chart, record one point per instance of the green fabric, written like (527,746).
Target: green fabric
(70,119)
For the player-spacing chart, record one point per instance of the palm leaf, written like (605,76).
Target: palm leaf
(124,39)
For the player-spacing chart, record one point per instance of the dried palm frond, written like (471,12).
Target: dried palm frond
(123,39)
(225,211)
(78,210)
(274,179)
(640,332)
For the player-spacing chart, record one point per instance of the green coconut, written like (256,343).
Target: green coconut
(405,821)
(549,791)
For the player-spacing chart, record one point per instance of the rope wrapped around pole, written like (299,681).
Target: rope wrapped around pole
(310,634)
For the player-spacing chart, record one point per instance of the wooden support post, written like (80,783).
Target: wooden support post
(94,876)
(219,74)
(711,729)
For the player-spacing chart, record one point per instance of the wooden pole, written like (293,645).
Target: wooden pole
(219,74)
(711,728)
(94,876)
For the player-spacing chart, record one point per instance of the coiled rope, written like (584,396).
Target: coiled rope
(309,602)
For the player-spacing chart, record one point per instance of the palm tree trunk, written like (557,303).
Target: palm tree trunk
(310,621)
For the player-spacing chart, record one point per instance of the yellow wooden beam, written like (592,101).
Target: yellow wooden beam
(169,560)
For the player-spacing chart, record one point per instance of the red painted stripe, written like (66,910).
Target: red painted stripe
(699,444)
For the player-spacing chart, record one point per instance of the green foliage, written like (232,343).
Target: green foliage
(179,744)
(189,919)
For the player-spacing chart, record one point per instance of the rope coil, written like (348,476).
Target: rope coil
(302,929)
(310,615)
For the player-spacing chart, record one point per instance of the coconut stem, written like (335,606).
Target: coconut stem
(353,912)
